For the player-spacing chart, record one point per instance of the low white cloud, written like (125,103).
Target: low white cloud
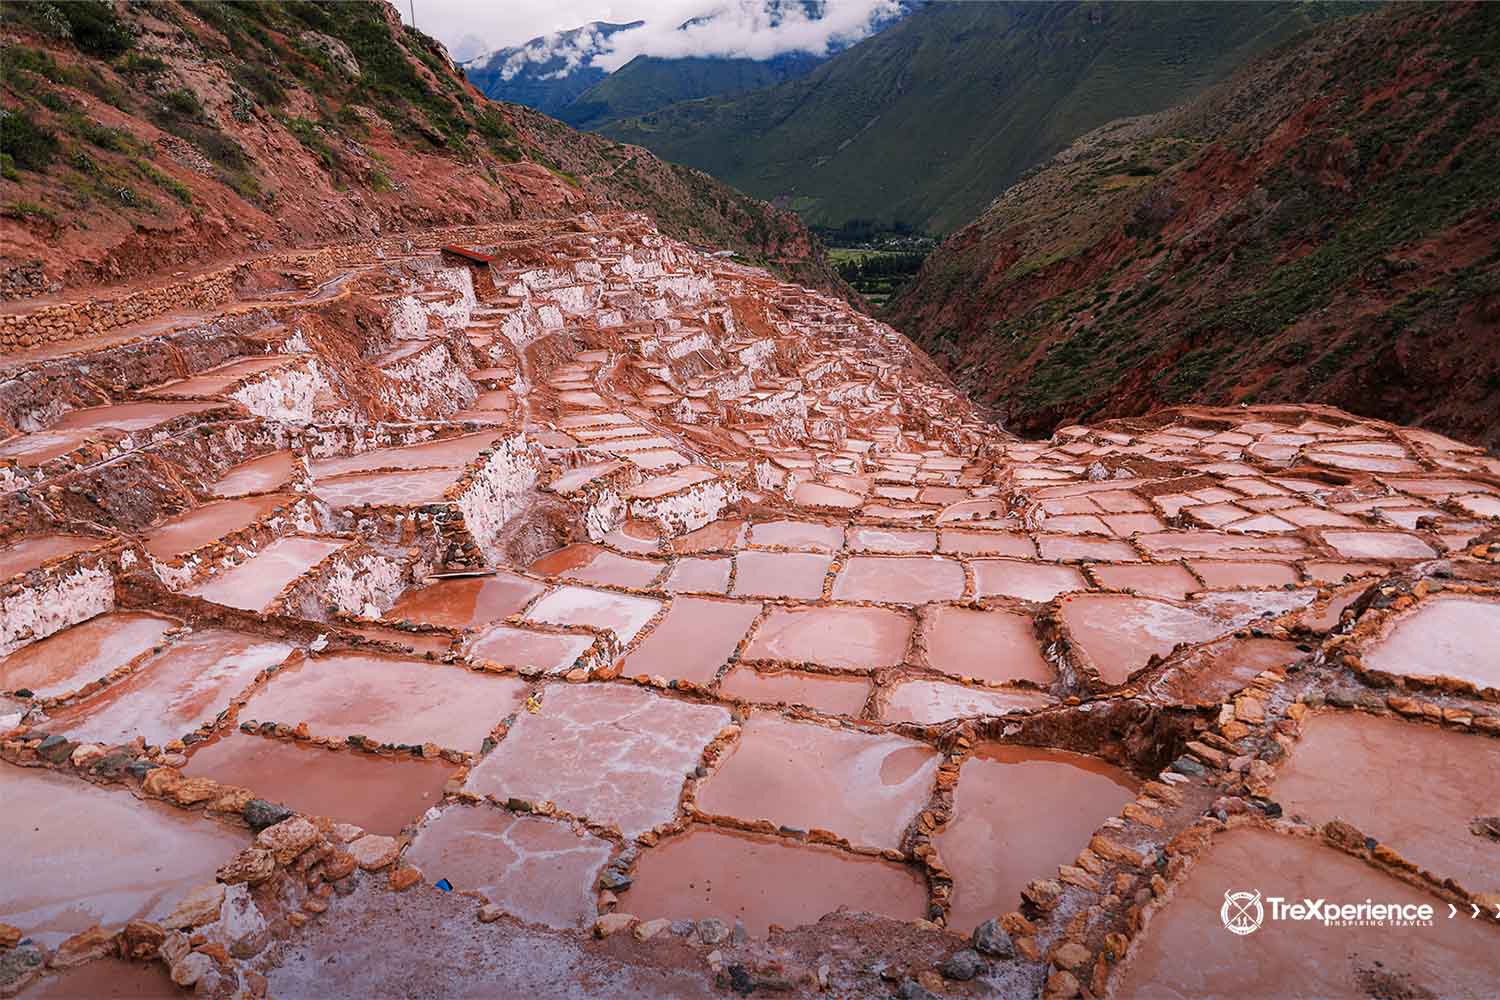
(753,29)
(573,48)
(747,29)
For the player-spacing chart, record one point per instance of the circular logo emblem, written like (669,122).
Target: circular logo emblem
(1242,913)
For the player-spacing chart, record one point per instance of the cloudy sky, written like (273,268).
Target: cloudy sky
(738,27)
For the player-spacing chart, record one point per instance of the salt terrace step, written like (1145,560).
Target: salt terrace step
(630,583)
(255,583)
(111,426)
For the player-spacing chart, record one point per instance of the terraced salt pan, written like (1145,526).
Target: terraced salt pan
(254,583)
(717,536)
(694,575)
(216,381)
(625,614)
(663,485)
(847,638)
(1416,788)
(826,693)
(862,786)
(199,526)
(397,488)
(1119,634)
(1450,958)
(108,978)
(1172,544)
(32,551)
(466,602)
(445,453)
(1018,813)
(931,702)
(168,695)
(380,794)
(1024,580)
(1447,635)
(893,540)
(899,579)
(974,510)
(581,476)
(760,881)
(818,495)
(1362,463)
(1378,545)
(809,535)
(797,575)
(694,640)
(388,700)
(642,537)
(1337,572)
(127,417)
(98,856)
(1209,675)
(1085,548)
(259,475)
(987,543)
(615,754)
(538,870)
(1241,607)
(67,660)
(1331,614)
(524,649)
(997,646)
(1169,580)
(587,563)
(1261,573)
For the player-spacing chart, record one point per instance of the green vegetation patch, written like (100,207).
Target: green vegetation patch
(25,143)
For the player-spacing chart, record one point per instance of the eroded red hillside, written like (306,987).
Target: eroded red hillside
(142,138)
(1322,227)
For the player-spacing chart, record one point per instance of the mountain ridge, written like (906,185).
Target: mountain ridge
(556,73)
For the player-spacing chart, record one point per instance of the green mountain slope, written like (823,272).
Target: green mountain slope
(927,121)
(1324,226)
(647,83)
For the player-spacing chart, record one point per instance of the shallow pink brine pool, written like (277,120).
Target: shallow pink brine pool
(388,699)
(861,786)
(847,638)
(99,856)
(171,693)
(760,881)
(69,659)
(380,794)
(1018,813)
(1120,634)
(1447,635)
(199,526)
(1306,957)
(30,552)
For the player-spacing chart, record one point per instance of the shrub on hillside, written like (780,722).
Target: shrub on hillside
(26,143)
